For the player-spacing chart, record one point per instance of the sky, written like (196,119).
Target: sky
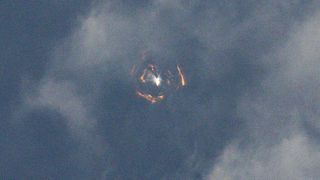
(250,110)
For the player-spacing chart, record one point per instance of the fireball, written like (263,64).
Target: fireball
(154,82)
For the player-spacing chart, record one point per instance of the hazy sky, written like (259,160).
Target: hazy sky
(68,108)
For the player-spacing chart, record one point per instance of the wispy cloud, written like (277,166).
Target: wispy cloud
(276,143)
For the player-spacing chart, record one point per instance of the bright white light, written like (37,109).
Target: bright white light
(157,80)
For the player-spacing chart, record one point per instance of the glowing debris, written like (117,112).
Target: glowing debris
(154,82)
(182,78)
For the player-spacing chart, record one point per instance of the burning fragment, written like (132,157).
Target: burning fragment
(154,82)
(150,98)
(182,78)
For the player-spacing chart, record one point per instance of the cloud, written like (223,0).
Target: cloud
(293,158)
(62,97)
(238,89)
(281,118)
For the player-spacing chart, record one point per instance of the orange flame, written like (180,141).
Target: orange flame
(150,98)
(182,78)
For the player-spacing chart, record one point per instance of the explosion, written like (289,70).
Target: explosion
(154,82)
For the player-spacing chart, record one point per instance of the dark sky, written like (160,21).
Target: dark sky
(250,110)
